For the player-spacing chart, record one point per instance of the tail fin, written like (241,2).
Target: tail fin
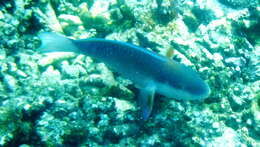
(52,42)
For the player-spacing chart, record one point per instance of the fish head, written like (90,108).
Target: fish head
(182,82)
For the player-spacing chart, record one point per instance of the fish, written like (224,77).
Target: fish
(149,71)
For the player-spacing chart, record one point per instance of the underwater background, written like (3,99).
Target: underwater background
(66,99)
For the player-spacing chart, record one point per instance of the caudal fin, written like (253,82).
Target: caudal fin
(52,42)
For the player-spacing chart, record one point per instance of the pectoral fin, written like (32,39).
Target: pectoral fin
(145,100)
(170,53)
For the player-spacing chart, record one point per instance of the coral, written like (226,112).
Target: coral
(73,100)
(238,4)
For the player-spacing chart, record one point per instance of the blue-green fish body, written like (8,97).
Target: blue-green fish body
(149,71)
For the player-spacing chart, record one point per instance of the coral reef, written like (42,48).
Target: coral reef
(238,4)
(72,100)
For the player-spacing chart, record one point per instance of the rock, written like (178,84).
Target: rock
(238,4)
(51,75)
(73,100)
(229,138)
(70,23)
(2,54)
(49,17)
(51,58)
(1,15)
(101,8)
(10,82)
(235,61)
(122,105)
(72,71)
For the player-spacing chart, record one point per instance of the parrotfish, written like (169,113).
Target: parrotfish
(150,72)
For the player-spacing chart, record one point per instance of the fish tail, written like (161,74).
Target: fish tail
(52,42)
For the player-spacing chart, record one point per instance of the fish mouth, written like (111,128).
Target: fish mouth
(202,90)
